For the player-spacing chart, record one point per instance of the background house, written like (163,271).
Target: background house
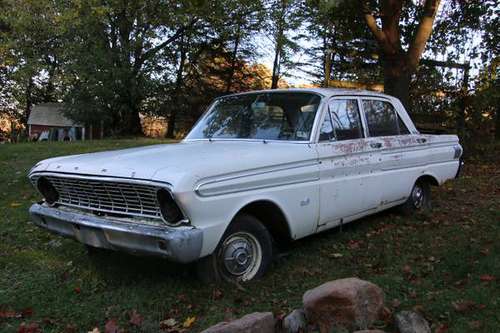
(47,122)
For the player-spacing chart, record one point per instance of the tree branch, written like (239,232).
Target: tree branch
(372,25)
(423,33)
(151,52)
(371,22)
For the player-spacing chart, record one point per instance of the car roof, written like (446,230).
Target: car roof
(326,92)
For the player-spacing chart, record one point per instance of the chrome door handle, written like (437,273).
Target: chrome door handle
(376,145)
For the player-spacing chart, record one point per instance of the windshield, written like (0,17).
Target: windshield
(264,116)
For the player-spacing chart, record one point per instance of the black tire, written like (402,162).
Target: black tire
(244,230)
(419,199)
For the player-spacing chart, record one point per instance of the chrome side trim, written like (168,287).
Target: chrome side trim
(259,172)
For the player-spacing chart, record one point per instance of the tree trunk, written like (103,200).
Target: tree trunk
(277,55)
(234,57)
(397,78)
(497,123)
(132,124)
(29,99)
(398,64)
(328,68)
(276,66)
(460,119)
(179,82)
(50,90)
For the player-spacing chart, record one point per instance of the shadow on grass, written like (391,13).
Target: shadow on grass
(123,268)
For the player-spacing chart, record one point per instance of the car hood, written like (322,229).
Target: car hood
(172,163)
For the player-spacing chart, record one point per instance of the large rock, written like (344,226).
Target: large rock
(349,303)
(295,322)
(257,322)
(411,322)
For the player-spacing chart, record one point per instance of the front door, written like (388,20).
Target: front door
(346,164)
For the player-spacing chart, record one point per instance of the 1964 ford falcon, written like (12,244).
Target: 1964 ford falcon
(257,168)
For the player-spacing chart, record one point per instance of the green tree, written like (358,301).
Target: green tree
(339,47)
(399,64)
(30,48)
(113,52)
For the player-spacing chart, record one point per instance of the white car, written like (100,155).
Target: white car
(257,168)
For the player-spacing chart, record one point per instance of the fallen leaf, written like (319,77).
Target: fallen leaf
(443,328)
(48,321)
(386,315)
(95,330)
(463,306)
(111,326)
(73,329)
(217,294)
(27,312)
(396,303)
(29,328)
(135,318)
(485,252)
(77,290)
(487,278)
(189,322)
(15,204)
(475,325)
(168,323)
(8,314)
(336,255)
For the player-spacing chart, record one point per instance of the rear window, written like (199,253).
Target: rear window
(382,119)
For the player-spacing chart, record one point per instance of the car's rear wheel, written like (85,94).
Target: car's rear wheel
(419,199)
(243,254)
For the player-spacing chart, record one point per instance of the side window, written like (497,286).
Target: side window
(345,118)
(326,131)
(382,119)
(402,127)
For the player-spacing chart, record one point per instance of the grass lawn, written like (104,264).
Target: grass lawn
(445,264)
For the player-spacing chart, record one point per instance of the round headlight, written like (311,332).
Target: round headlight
(170,212)
(48,190)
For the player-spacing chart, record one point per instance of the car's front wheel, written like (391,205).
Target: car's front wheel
(243,254)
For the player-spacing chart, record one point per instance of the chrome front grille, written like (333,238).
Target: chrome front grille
(106,196)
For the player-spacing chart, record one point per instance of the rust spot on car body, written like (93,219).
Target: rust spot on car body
(351,147)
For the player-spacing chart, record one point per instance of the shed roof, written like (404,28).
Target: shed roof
(50,114)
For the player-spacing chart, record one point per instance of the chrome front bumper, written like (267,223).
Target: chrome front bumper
(181,244)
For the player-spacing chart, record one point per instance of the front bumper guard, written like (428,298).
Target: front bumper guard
(180,244)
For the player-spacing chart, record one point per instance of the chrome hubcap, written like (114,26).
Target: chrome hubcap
(417,196)
(242,254)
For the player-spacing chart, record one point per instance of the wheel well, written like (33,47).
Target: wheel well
(272,217)
(429,179)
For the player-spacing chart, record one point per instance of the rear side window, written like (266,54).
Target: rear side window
(382,119)
(342,121)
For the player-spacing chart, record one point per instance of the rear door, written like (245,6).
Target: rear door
(386,134)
